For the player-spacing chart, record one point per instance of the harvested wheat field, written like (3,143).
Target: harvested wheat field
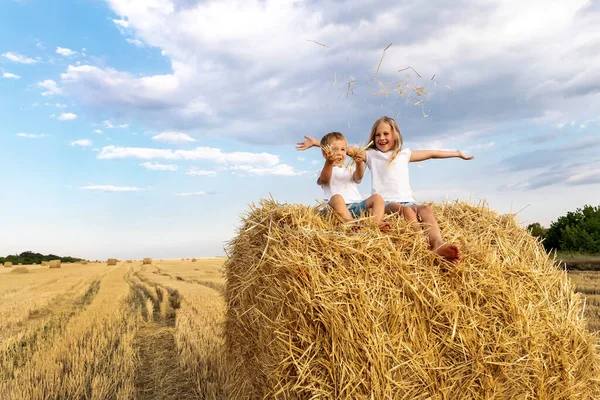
(304,322)
(316,312)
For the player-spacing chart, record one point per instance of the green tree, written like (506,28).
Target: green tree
(537,230)
(578,231)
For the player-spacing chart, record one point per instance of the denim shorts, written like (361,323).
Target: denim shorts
(402,203)
(356,209)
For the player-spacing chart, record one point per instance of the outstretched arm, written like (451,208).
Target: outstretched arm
(358,156)
(309,142)
(422,155)
(327,170)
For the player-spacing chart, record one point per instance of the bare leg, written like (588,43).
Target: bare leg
(339,206)
(450,251)
(377,206)
(411,216)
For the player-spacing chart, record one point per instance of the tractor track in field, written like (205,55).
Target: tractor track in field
(158,373)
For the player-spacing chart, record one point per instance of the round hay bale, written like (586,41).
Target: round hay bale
(194,260)
(146,261)
(111,261)
(316,311)
(129,261)
(84,262)
(45,263)
(19,270)
(8,264)
(54,264)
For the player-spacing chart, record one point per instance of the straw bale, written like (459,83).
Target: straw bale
(147,261)
(45,263)
(84,262)
(111,261)
(8,264)
(194,260)
(54,264)
(19,270)
(129,261)
(317,311)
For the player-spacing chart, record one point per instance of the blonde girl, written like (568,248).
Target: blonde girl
(388,162)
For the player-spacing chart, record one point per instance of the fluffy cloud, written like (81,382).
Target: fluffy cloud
(199,172)
(31,135)
(67,116)
(65,52)
(107,124)
(281,169)
(173,137)
(82,142)
(50,86)
(18,58)
(8,75)
(111,188)
(159,167)
(199,153)
(265,76)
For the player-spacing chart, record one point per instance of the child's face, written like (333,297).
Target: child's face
(337,150)
(384,137)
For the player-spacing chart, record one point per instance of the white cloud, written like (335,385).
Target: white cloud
(121,23)
(281,169)
(32,135)
(82,142)
(173,137)
(107,124)
(159,167)
(97,131)
(135,42)
(111,188)
(50,86)
(18,58)
(199,172)
(8,75)
(189,194)
(63,51)
(199,153)
(67,116)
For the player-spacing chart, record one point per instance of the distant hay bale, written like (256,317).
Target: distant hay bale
(129,261)
(194,260)
(45,263)
(316,311)
(19,270)
(147,261)
(111,261)
(20,264)
(84,262)
(54,264)
(8,264)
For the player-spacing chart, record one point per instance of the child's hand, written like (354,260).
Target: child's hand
(358,156)
(461,155)
(307,143)
(333,158)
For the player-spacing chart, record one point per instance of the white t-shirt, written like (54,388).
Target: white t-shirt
(341,183)
(390,181)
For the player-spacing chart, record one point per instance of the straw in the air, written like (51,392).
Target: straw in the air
(315,311)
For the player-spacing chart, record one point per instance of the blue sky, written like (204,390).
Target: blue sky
(136,128)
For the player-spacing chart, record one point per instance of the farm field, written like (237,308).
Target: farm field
(129,331)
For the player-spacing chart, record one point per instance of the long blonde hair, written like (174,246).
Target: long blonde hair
(398,141)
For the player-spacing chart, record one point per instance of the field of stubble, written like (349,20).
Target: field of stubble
(129,331)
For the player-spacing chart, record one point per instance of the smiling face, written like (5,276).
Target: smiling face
(384,137)
(338,149)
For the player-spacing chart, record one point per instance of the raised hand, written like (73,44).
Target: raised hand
(461,155)
(308,142)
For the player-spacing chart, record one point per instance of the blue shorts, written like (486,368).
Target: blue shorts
(356,209)
(402,203)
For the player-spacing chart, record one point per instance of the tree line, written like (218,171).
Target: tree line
(29,257)
(577,231)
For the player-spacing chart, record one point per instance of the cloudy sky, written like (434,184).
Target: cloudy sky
(135,128)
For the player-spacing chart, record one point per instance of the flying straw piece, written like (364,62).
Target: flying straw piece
(334,78)
(409,67)
(350,84)
(433,77)
(449,88)
(423,111)
(380,61)
(320,44)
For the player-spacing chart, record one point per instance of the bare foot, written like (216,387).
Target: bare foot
(450,252)
(354,226)
(385,226)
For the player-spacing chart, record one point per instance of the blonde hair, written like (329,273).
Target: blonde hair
(398,141)
(330,137)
